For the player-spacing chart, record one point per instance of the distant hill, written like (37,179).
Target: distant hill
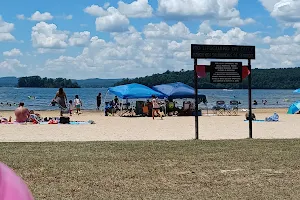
(8,81)
(85,83)
(97,83)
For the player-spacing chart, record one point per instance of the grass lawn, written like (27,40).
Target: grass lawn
(239,169)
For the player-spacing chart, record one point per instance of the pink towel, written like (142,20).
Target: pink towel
(12,187)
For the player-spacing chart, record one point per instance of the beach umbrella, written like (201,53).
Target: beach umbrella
(297,91)
(294,107)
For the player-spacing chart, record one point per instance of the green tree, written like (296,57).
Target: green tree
(281,78)
(36,81)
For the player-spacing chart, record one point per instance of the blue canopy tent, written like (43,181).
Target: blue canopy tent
(134,91)
(295,107)
(178,90)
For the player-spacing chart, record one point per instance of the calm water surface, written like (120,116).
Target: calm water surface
(88,96)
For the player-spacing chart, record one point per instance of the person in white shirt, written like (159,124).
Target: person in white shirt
(155,107)
(78,104)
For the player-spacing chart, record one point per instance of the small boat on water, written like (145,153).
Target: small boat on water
(227,90)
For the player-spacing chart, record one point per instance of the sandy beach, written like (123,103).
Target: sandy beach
(144,128)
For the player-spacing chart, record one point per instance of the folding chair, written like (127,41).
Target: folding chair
(125,110)
(186,109)
(220,108)
(234,107)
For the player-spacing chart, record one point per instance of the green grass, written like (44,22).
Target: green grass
(232,169)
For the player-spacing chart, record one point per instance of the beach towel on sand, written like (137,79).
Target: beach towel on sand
(74,122)
(257,120)
(12,187)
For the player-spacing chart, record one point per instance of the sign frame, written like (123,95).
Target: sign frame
(231,52)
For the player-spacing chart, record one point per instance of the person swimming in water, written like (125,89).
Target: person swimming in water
(254,102)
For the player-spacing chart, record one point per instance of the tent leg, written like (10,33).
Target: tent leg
(122,108)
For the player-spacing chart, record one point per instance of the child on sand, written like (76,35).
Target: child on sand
(70,107)
(78,104)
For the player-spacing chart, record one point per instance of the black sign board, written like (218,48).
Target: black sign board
(226,72)
(222,51)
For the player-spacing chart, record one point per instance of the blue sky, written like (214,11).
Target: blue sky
(129,38)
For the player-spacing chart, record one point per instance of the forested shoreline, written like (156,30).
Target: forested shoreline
(281,78)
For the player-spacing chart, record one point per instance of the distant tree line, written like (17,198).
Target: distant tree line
(37,81)
(281,78)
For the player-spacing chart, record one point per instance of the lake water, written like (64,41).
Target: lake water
(88,96)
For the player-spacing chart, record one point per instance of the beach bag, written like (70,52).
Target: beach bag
(64,120)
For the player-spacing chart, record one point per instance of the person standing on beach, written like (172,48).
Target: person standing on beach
(78,104)
(99,101)
(70,107)
(155,107)
(61,99)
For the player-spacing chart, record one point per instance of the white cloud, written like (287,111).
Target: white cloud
(106,5)
(236,22)
(285,39)
(283,51)
(278,56)
(136,9)
(79,38)
(13,52)
(65,17)
(164,31)
(37,16)
(112,21)
(47,36)
(21,17)
(219,10)
(68,17)
(285,11)
(95,10)
(45,50)
(12,67)
(5,30)
(233,36)
(205,27)
(131,37)
(269,4)
(158,48)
